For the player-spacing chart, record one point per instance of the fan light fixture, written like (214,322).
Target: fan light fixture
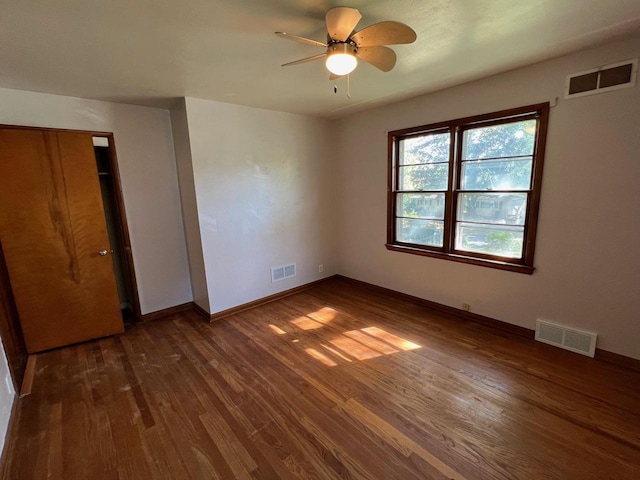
(345,46)
(341,58)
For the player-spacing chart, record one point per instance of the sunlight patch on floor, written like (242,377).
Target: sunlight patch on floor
(277,330)
(355,349)
(394,340)
(316,319)
(336,353)
(324,315)
(371,342)
(306,323)
(320,357)
(362,344)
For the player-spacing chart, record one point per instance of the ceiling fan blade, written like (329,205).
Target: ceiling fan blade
(305,60)
(341,21)
(380,57)
(296,38)
(384,33)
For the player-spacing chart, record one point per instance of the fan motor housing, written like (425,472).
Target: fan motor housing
(348,48)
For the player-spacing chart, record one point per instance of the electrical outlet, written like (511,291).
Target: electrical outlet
(466,307)
(320,268)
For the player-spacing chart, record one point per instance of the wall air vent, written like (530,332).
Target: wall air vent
(577,341)
(285,271)
(602,79)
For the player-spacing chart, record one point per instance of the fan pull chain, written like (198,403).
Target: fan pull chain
(335,87)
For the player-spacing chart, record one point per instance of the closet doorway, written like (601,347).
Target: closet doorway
(117,230)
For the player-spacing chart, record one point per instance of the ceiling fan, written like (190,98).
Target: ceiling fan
(344,46)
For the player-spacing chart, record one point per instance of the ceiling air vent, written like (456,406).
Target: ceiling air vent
(285,271)
(602,79)
(577,341)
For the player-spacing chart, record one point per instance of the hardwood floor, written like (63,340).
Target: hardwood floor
(333,382)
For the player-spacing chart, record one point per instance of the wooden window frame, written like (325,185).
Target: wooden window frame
(456,128)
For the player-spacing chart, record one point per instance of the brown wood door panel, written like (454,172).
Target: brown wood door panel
(52,227)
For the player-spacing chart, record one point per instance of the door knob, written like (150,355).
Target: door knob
(102,253)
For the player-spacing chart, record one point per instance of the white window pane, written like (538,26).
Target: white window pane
(423,232)
(431,148)
(504,140)
(501,240)
(496,208)
(503,174)
(424,177)
(421,205)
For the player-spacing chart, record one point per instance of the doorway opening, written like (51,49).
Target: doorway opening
(117,227)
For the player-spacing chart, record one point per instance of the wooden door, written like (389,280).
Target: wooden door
(54,237)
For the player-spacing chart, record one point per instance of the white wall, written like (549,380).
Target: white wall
(180,128)
(587,257)
(6,396)
(264,185)
(149,181)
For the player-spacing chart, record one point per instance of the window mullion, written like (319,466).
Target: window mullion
(451,200)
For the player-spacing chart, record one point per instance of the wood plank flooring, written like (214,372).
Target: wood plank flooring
(333,382)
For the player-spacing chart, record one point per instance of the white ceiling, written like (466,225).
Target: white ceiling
(150,52)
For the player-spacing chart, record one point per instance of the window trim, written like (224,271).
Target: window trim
(456,128)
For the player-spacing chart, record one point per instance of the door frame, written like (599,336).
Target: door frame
(10,329)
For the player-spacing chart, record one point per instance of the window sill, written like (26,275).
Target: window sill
(512,267)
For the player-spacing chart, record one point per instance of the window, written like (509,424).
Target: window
(468,190)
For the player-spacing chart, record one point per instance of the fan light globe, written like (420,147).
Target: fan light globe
(341,59)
